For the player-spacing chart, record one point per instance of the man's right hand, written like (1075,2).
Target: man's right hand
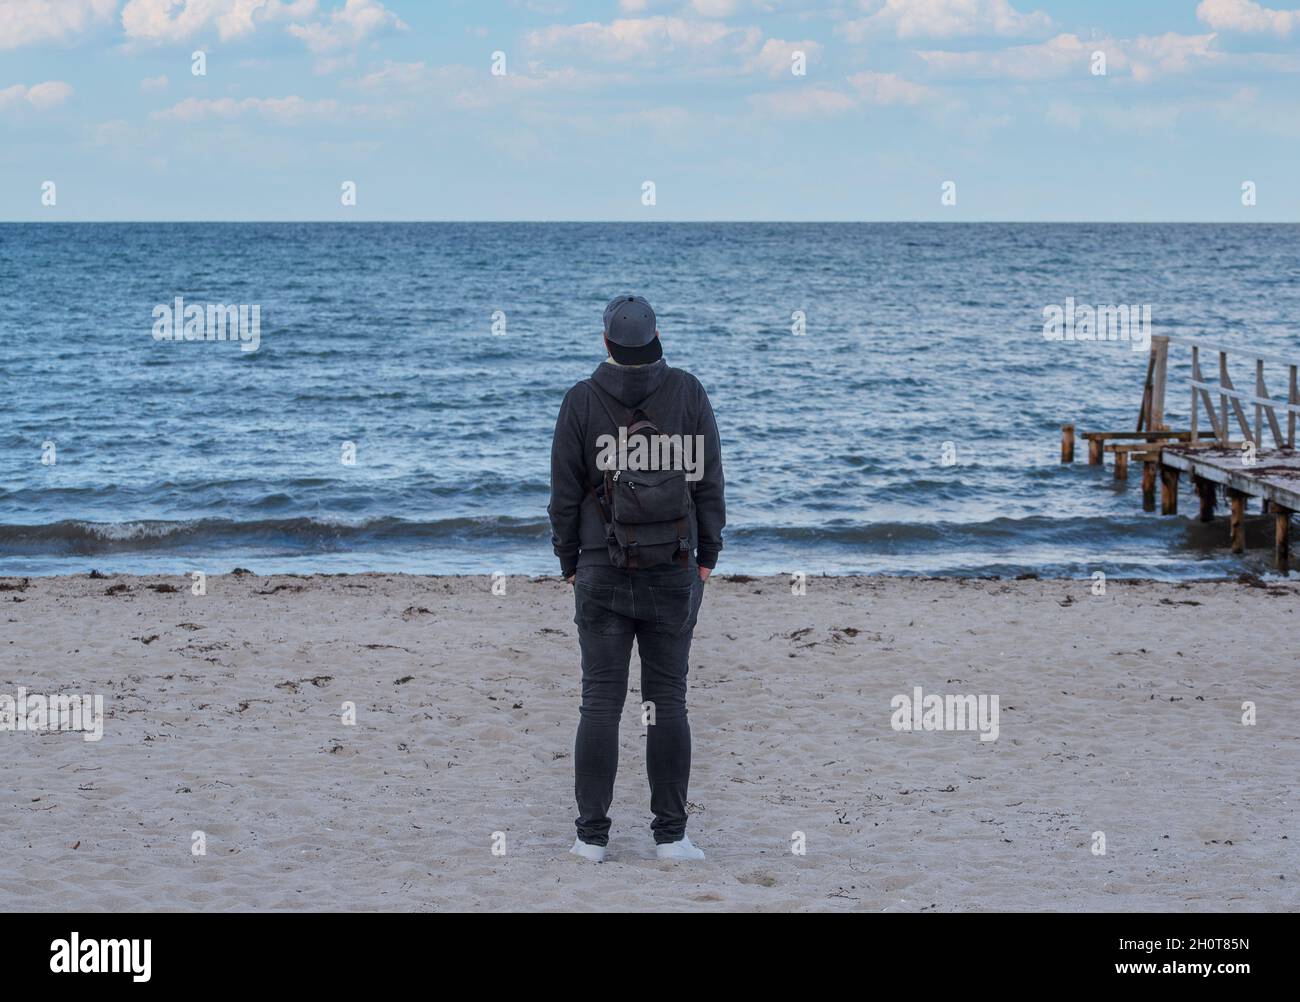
(571,578)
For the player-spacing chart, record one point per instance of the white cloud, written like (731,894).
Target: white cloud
(1168,53)
(179,20)
(41,96)
(323,32)
(154,83)
(48,94)
(703,8)
(466,89)
(715,8)
(281,109)
(1067,55)
(31,22)
(646,40)
(347,26)
(774,58)
(1056,57)
(867,90)
(1247,16)
(946,19)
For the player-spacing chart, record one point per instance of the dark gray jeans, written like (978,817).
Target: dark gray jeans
(657,606)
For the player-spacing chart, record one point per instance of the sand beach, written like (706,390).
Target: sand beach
(224,714)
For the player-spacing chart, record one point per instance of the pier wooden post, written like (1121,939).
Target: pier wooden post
(1237,523)
(1282,537)
(1121,466)
(1094,451)
(1148,486)
(1067,443)
(1158,367)
(1205,491)
(1168,490)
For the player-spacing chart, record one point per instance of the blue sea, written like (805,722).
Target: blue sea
(171,456)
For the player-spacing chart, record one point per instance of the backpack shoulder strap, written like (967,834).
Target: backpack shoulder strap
(605,515)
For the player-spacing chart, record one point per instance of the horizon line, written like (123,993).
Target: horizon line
(674,222)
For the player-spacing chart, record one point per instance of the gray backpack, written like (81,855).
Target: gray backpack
(647,513)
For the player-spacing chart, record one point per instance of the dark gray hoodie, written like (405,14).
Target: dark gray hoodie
(680,407)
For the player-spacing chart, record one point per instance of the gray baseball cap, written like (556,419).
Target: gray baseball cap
(632,331)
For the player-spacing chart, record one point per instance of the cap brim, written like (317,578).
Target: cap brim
(644,355)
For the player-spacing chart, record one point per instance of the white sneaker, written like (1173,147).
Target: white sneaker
(595,853)
(678,850)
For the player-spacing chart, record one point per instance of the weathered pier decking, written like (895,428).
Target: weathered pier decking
(1213,461)
(1272,476)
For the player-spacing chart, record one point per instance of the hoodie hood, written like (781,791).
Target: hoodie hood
(630,384)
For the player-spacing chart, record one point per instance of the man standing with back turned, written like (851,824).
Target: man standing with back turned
(637,512)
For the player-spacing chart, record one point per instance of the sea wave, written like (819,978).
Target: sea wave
(321,533)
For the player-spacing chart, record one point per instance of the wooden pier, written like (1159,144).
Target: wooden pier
(1274,479)
(1212,459)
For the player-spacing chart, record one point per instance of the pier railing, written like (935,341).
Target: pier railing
(1232,401)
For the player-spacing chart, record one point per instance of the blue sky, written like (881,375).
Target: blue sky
(697,96)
